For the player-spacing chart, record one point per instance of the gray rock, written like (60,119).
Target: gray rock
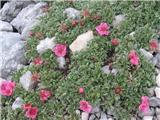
(148,113)
(103,116)
(78,112)
(118,20)
(92,117)
(114,71)
(157,111)
(148,55)
(17,103)
(5,26)
(98,115)
(72,13)
(157,92)
(85,116)
(158,80)
(11,9)
(47,43)
(151,91)
(132,34)
(148,118)
(133,118)
(106,69)
(158,117)
(28,18)
(157,71)
(154,102)
(156,60)
(95,109)
(26,81)
(61,61)
(110,119)
(12,53)
(25,33)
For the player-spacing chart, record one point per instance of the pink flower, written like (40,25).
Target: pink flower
(144,106)
(31,113)
(81,90)
(26,106)
(145,99)
(7,87)
(153,44)
(38,61)
(134,61)
(85,106)
(103,29)
(60,50)
(44,95)
(115,42)
(133,57)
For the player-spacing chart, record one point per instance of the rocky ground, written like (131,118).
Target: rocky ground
(18,18)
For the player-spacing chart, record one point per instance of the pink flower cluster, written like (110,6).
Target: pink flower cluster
(60,50)
(37,61)
(44,95)
(153,45)
(31,112)
(133,57)
(85,106)
(144,106)
(103,29)
(7,88)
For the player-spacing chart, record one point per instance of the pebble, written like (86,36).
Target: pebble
(72,13)
(61,61)
(157,111)
(47,43)
(154,102)
(158,80)
(81,42)
(148,55)
(106,69)
(26,81)
(95,109)
(17,103)
(103,116)
(157,92)
(85,116)
(92,117)
(118,20)
(148,118)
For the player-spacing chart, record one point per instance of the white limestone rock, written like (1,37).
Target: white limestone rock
(26,81)
(47,43)
(81,42)
(148,118)
(148,55)
(72,13)
(158,80)
(85,116)
(118,20)
(157,92)
(157,111)
(17,103)
(103,116)
(5,26)
(62,62)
